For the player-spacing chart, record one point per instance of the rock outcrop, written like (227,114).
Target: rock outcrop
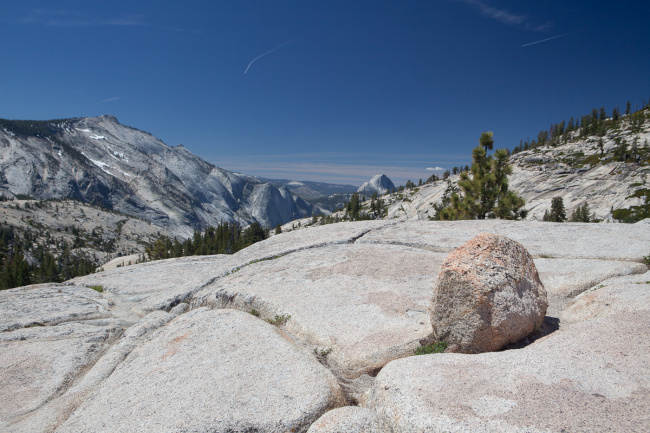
(592,376)
(162,347)
(379,184)
(350,419)
(99,161)
(211,370)
(487,294)
(578,171)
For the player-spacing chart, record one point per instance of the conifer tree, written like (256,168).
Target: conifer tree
(484,189)
(557,212)
(581,214)
(487,140)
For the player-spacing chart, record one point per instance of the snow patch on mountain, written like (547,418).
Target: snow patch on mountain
(168,186)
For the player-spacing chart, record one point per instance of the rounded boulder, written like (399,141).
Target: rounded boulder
(487,294)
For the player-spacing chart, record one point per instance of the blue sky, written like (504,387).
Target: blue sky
(337,90)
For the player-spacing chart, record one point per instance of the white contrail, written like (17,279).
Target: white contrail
(550,39)
(270,51)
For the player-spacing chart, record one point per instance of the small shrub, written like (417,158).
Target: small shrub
(279,320)
(97,287)
(646,260)
(254,312)
(322,351)
(437,347)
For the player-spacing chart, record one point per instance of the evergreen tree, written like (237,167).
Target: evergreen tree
(620,152)
(542,137)
(557,212)
(445,203)
(486,140)
(581,214)
(484,190)
(353,207)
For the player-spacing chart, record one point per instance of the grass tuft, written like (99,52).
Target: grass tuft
(437,347)
(279,320)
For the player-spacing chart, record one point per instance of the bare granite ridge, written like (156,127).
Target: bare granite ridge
(163,349)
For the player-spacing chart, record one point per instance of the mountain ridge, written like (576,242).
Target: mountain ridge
(100,161)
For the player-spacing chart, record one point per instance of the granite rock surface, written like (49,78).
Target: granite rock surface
(349,304)
(488,294)
(211,370)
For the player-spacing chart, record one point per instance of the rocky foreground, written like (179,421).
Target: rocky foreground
(314,330)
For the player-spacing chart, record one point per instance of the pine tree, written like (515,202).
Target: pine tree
(581,214)
(353,207)
(484,190)
(557,212)
(487,140)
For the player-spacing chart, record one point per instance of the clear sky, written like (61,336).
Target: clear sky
(332,91)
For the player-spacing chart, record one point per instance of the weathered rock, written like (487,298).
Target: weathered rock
(487,294)
(591,376)
(350,419)
(541,239)
(566,278)
(55,411)
(40,363)
(180,308)
(362,305)
(49,304)
(163,284)
(358,295)
(211,370)
(613,296)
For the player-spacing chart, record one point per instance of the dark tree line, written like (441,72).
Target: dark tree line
(354,210)
(226,238)
(16,270)
(557,213)
(34,128)
(596,123)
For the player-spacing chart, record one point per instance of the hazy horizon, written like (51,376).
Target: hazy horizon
(326,91)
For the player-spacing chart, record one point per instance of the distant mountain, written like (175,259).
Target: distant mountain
(379,184)
(311,190)
(604,164)
(99,161)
